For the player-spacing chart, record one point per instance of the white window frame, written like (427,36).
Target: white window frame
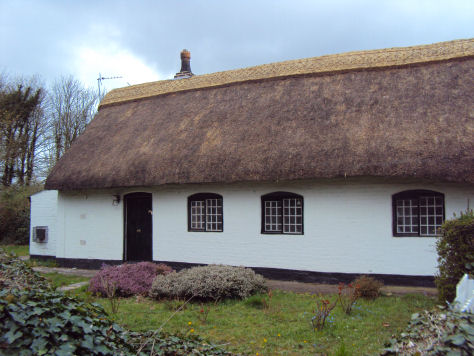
(417,213)
(282,213)
(205,212)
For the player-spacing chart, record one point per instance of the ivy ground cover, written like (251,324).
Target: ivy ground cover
(276,325)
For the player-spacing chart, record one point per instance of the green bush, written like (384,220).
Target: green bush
(161,343)
(127,279)
(46,323)
(15,214)
(213,282)
(34,320)
(15,274)
(455,254)
(368,287)
(435,332)
(51,323)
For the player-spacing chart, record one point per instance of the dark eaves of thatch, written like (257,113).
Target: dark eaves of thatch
(400,113)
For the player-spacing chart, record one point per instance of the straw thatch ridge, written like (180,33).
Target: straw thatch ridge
(414,121)
(381,58)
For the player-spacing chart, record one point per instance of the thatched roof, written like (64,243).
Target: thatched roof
(403,112)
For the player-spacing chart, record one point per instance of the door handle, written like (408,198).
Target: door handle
(139,230)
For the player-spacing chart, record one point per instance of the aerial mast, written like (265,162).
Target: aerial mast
(101,78)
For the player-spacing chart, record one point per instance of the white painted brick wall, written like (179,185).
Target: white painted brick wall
(90,226)
(347,228)
(44,206)
(347,225)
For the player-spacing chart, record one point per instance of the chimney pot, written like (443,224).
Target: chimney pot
(185,71)
(185,54)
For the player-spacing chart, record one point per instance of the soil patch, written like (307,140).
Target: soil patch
(315,288)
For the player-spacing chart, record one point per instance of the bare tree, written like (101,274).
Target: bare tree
(20,119)
(71,108)
(37,127)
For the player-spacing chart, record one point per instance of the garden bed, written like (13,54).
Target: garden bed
(277,325)
(278,322)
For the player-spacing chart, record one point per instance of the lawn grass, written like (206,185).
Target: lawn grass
(281,328)
(60,280)
(24,250)
(18,250)
(41,263)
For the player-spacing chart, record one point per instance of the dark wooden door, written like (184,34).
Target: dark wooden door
(138,227)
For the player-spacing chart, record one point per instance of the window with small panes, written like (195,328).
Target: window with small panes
(205,212)
(282,213)
(417,213)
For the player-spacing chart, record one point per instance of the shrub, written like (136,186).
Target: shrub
(127,279)
(347,296)
(213,282)
(368,287)
(15,274)
(435,332)
(39,323)
(161,343)
(51,323)
(15,214)
(455,254)
(323,310)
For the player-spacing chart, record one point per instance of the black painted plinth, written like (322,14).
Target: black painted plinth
(271,273)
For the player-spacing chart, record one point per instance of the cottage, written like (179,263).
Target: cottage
(315,169)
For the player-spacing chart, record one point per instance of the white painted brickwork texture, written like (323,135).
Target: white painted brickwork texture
(44,209)
(90,226)
(347,228)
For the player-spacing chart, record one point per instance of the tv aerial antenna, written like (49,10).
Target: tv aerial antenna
(101,79)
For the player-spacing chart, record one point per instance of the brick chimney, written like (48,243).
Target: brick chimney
(185,71)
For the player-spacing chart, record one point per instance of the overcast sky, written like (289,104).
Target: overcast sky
(141,40)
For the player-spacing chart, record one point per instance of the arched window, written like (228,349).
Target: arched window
(282,213)
(417,213)
(205,212)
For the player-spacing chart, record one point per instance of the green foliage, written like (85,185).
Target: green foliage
(34,320)
(45,323)
(36,262)
(19,130)
(175,304)
(368,287)
(15,274)
(342,351)
(52,323)
(455,254)
(285,325)
(435,332)
(60,280)
(161,343)
(258,301)
(15,214)
(213,282)
(17,250)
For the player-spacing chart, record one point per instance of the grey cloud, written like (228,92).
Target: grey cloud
(35,36)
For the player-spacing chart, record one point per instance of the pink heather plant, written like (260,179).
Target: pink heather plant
(128,279)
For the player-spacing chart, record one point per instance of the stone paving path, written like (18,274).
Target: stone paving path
(67,271)
(73,286)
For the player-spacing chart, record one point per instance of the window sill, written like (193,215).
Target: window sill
(415,236)
(282,234)
(204,231)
